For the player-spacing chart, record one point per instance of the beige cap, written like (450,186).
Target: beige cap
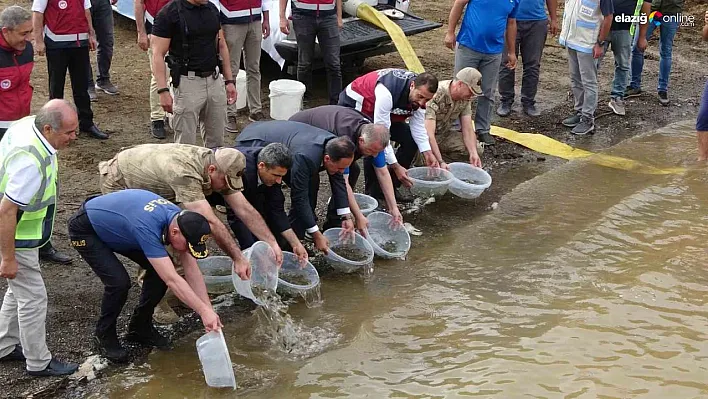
(233,163)
(472,78)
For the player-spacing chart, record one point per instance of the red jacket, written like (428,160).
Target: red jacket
(65,24)
(240,11)
(15,89)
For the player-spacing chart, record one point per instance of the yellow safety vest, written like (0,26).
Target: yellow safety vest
(35,221)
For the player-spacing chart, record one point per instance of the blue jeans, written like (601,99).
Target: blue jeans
(621,43)
(666,42)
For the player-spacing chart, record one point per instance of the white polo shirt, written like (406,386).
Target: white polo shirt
(24,177)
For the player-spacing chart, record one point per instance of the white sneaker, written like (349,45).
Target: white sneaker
(617,106)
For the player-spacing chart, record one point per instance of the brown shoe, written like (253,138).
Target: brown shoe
(231,124)
(164,314)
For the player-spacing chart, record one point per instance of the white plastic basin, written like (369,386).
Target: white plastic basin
(216,361)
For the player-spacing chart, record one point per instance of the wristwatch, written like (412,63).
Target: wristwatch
(601,43)
(226,82)
(162,90)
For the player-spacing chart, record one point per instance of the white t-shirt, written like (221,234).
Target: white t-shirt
(382,114)
(41,5)
(24,177)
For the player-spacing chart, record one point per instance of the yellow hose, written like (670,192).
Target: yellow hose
(548,146)
(371,15)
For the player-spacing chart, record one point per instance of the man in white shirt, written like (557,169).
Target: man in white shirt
(28,170)
(389,97)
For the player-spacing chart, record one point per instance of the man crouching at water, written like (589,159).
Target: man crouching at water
(138,225)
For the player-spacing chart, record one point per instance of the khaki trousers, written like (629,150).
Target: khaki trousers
(156,111)
(24,312)
(246,38)
(200,103)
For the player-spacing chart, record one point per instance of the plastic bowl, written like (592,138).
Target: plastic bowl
(291,266)
(464,171)
(217,274)
(380,232)
(216,361)
(428,182)
(264,272)
(367,203)
(340,263)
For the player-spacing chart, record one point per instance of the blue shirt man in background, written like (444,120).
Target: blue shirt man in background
(139,225)
(532,27)
(486,27)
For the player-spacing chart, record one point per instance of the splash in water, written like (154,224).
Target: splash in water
(287,336)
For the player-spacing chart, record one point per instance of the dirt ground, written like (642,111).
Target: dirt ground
(74,291)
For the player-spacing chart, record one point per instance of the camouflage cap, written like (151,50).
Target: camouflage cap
(233,163)
(472,78)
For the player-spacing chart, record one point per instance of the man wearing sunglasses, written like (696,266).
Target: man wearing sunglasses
(139,225)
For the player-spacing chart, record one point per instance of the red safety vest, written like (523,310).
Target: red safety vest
(15,89)
(314,5)
(361,92)
(240,11)
(152,7)
(65,24)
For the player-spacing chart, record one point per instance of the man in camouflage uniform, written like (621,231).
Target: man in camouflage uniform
(452,102)
(185,174)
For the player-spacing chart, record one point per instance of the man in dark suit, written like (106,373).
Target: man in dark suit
(265,169)
(313,150)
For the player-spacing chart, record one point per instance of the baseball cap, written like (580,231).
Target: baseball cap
(472,78)
(233,163)
(196,231)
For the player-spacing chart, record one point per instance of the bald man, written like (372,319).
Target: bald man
(28,188)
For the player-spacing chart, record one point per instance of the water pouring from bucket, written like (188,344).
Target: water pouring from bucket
(264,273)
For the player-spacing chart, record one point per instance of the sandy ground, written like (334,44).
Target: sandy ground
(74,291)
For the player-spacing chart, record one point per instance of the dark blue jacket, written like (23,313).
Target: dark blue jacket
(268,201)
(306,144)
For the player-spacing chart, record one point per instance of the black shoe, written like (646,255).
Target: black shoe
(96,133)
(149,337)
(111,349)
(50,254)
(15,355)
(56,368)
(664,98)
(158,129)
(486,138)
(632,92)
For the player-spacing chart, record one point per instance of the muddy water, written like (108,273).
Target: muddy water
(586,282)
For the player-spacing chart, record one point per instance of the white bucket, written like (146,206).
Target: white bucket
(285,98)
(241,89)
(403,5)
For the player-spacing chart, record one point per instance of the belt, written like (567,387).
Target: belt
(198,73)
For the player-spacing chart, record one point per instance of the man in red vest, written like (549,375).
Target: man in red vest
(245,24)
(63,30)
(16,63)
(321,19)
(389,97)
(145,13)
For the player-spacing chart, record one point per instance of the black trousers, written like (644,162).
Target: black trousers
(103,261)
(401,134)
(76,61)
